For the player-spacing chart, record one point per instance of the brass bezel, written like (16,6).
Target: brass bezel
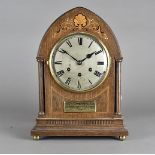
(50,62)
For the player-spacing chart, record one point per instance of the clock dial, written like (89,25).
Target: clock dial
(79,62)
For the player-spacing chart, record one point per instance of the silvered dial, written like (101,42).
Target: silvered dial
(79,62)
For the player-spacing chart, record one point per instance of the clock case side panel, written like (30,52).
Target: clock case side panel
(118,95)
(41,88)
(44,91)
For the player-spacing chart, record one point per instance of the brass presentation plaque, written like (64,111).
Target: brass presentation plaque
(79,106)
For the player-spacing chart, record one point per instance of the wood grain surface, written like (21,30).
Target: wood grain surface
(52,120)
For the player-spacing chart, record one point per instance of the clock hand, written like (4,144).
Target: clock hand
(63,51)
(87,56)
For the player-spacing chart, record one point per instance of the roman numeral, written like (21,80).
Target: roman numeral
(89,81)
(79,85)
(90,44)
(98,52)
(62,51)
(97,73)
(100,63)
(69,43)
(68,81)
(80,41)
(60,73)
(58,62)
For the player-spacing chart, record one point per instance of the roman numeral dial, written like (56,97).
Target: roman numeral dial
(90,44)
(97,73)
(68,81)
(79,62)
(60,73)
(58,62)
(79,85)
(100,63)
(98,52)
(80,40)
(69,43)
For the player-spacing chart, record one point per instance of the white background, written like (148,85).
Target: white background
(22,25)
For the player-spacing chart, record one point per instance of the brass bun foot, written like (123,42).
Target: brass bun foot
(36,137)
(122,138)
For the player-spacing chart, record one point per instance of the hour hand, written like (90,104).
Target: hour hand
(65,52)
(88,56)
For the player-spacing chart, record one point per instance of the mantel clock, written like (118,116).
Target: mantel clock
(79,65)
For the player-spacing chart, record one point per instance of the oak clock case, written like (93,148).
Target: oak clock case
(79,65)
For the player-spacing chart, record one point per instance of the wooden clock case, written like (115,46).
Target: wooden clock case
(52,120)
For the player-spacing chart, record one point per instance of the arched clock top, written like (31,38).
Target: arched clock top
(79,20)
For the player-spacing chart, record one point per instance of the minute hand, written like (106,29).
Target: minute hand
(88,56)
(63,51)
